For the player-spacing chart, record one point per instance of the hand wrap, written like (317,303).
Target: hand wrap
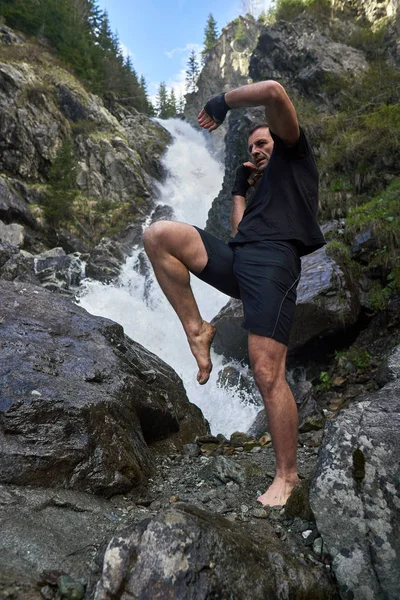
(241,183)
(217,108)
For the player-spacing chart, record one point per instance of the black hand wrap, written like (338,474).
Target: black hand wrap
(241,184)
(217,108)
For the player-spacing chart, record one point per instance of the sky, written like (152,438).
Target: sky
(160,34)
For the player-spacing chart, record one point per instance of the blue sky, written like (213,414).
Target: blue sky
(160,34)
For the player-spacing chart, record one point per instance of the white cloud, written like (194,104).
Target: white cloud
(125,51)
(185,51)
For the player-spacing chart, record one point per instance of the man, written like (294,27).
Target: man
(261,263)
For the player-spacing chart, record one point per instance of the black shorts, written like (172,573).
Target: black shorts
(264,275)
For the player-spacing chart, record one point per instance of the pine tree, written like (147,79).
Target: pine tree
(172,109)
(162,101)
(192,72)
(181,105)
(62,189)
(210,36)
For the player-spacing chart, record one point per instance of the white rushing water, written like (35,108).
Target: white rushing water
(137,303)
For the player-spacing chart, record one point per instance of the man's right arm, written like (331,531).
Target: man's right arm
(238,208)
(246,176)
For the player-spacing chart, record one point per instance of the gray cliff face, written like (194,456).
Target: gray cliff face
(226,67)
(41,106)
(373,10)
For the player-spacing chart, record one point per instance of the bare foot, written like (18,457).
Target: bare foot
(200,346)
(278,492)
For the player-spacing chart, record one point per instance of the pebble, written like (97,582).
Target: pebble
(47,592)
(70,589)
(306,533)
(256,449)
(260,513)
(317,546)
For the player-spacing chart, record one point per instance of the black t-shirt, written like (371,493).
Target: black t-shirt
(285,203)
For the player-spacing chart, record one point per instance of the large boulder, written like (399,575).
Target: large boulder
(355,496)
(327,303)
(79,401)
(187,554)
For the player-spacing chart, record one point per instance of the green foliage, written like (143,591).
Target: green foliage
(166,104)
(382,216)
(339,251)
(62,189)
(210,35)
(287,10)
(325,382)
(192,72)
(362,139)
(82,38)
(370,41)
(240,31)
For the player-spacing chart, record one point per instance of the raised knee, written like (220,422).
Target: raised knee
(154,235)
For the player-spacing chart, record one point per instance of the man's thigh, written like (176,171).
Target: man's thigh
(268,274)
(218,271)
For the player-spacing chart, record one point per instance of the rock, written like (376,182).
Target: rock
(185,553)
(304,57)
(191,450)
(238,439)
(16,265)
(355,495)
(13,207)
(390,368)
(59,272)
(298,504)
(364,247)
(231,377)
(70,589)
(76,409)
(12,234)
(311,416)
(223,469)
(105,261)
(327,302)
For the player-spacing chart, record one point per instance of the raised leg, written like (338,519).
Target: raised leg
(268,358)
(174,249)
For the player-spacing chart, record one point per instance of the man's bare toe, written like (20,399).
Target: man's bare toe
(200,345)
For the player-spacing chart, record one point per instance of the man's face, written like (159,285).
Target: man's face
(260,147)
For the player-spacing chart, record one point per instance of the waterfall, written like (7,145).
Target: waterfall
(137,303)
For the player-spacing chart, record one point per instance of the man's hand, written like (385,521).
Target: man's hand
(246,175)
(214,113)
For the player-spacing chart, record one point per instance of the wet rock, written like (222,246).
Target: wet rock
(70,589)
(223,470)
(105,261)
(238,439)
(185,553)
(311,416)
(298,504)
(191,450)
(76,409)
(16,265)
(390,368)
(232,378)
(355,495)
(12,234)
(364,247)
(59,272)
